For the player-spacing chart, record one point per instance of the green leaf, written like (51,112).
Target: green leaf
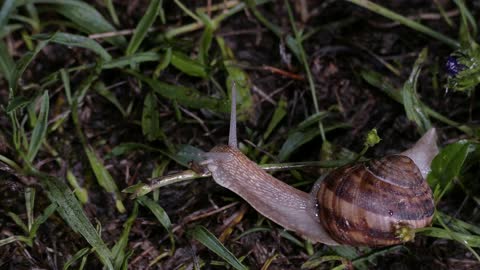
(75,41)
(8,240)
(17,103)
(132,59)
(239,77)
(83,87)
(278,115)
(113,13)
(118,251)
(80,192)
(40,130)
(7,30)
(277,30)
(457,224)
(312,120)
(7,8)
(29,205)
(145,23)
(18,221)
(78,255)
(206,39)
(187,65)
(103,90)
(22,65)
(295,140)
(183,95)
(157,211)
(160,214)
(85,17)
(150,118)
(167,58)
(446,166)
(468,25)
(7,66)
(466,239)
(413,107)
(209,240)
(71,211)
(66,85)
(300,137)
(41,219)
(405,21)
(381,82)
(125,148)
(104,178)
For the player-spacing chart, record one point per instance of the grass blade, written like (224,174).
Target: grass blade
(71,211)
(78,255)
(113,13)
(306,65)
(187,65)
(40,130)
(17,103)
(405,21)
(85,17)
(205,40)
(80,192)
(295,140)
(157,211)
(106,93)
(118,251)
(41,219)
(132,59)
(209,240)
(150,118)
(30,205)
(7,7)
(18,221)
(145,23)
(160,214)
(8,240)
(104,178)
(278,115)
(377,80)
(76,41)
(7,66)
(241,79)
(413,107)
(183,95)
(466,239)
(22,65)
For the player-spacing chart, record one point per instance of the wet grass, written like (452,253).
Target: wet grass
(101,97)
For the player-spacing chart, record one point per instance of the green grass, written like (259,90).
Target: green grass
(83,118)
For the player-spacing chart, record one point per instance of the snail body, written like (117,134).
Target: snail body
(361,204)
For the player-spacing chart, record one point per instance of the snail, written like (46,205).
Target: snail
(361,204)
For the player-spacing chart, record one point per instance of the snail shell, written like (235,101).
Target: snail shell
(364,203)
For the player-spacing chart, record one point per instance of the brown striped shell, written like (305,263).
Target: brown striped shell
(362,204)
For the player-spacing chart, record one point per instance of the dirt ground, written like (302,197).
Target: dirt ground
(348,39)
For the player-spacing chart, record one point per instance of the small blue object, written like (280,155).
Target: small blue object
(452,66)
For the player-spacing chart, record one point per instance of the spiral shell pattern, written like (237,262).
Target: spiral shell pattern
(363,204)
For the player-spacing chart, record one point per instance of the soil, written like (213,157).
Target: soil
(355,40)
